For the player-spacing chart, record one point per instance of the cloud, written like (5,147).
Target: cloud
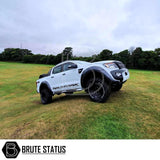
(141,28)
(86,25)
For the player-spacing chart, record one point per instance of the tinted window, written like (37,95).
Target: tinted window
(65,66)
(57,69)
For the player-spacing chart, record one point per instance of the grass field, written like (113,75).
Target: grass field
(131,113)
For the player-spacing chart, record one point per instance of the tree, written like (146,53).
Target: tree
(105,54)
(139,59)
(137,53)
(28,59)
(50,59)
(125,57)
(67,53)
(58,58)
(157,50)
(15,54)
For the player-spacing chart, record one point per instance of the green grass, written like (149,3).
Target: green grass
(131,113)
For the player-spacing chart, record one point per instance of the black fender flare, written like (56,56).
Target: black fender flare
(95,70)
(46,84)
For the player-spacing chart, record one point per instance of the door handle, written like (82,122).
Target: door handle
(52,77)
(63,74)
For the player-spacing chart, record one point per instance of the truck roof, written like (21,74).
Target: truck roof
(74,61)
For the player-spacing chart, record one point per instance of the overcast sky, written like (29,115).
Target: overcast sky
(88,26)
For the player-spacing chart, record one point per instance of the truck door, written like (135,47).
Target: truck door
(56,79)
(71,76)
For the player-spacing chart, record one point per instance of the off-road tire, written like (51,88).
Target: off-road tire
(46,96)
(99,90)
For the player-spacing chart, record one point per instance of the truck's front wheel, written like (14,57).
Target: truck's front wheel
(46,96)
(99,91)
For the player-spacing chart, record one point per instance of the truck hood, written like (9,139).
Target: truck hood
(102,62)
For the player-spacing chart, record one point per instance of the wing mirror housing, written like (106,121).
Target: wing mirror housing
(72,66)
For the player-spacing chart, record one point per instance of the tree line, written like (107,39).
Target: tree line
(133,58)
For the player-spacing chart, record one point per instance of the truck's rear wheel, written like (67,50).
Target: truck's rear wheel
(99,91)
(46,96)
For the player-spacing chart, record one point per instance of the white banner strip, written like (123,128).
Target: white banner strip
(80,149)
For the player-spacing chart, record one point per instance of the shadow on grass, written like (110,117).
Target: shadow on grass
(122,94)
(64,98)
(70,97)
(115,96)
(83,96)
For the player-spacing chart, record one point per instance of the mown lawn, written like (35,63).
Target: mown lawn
(132,113)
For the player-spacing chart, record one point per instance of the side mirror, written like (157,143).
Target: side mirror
(72,66)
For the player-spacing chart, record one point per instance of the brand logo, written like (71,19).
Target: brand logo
(11,149)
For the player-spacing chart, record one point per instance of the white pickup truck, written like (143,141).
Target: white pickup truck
(98,79)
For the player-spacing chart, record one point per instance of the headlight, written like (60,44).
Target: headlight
(118,74)
(110,65)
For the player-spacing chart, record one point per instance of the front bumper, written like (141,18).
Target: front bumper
(120,74)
